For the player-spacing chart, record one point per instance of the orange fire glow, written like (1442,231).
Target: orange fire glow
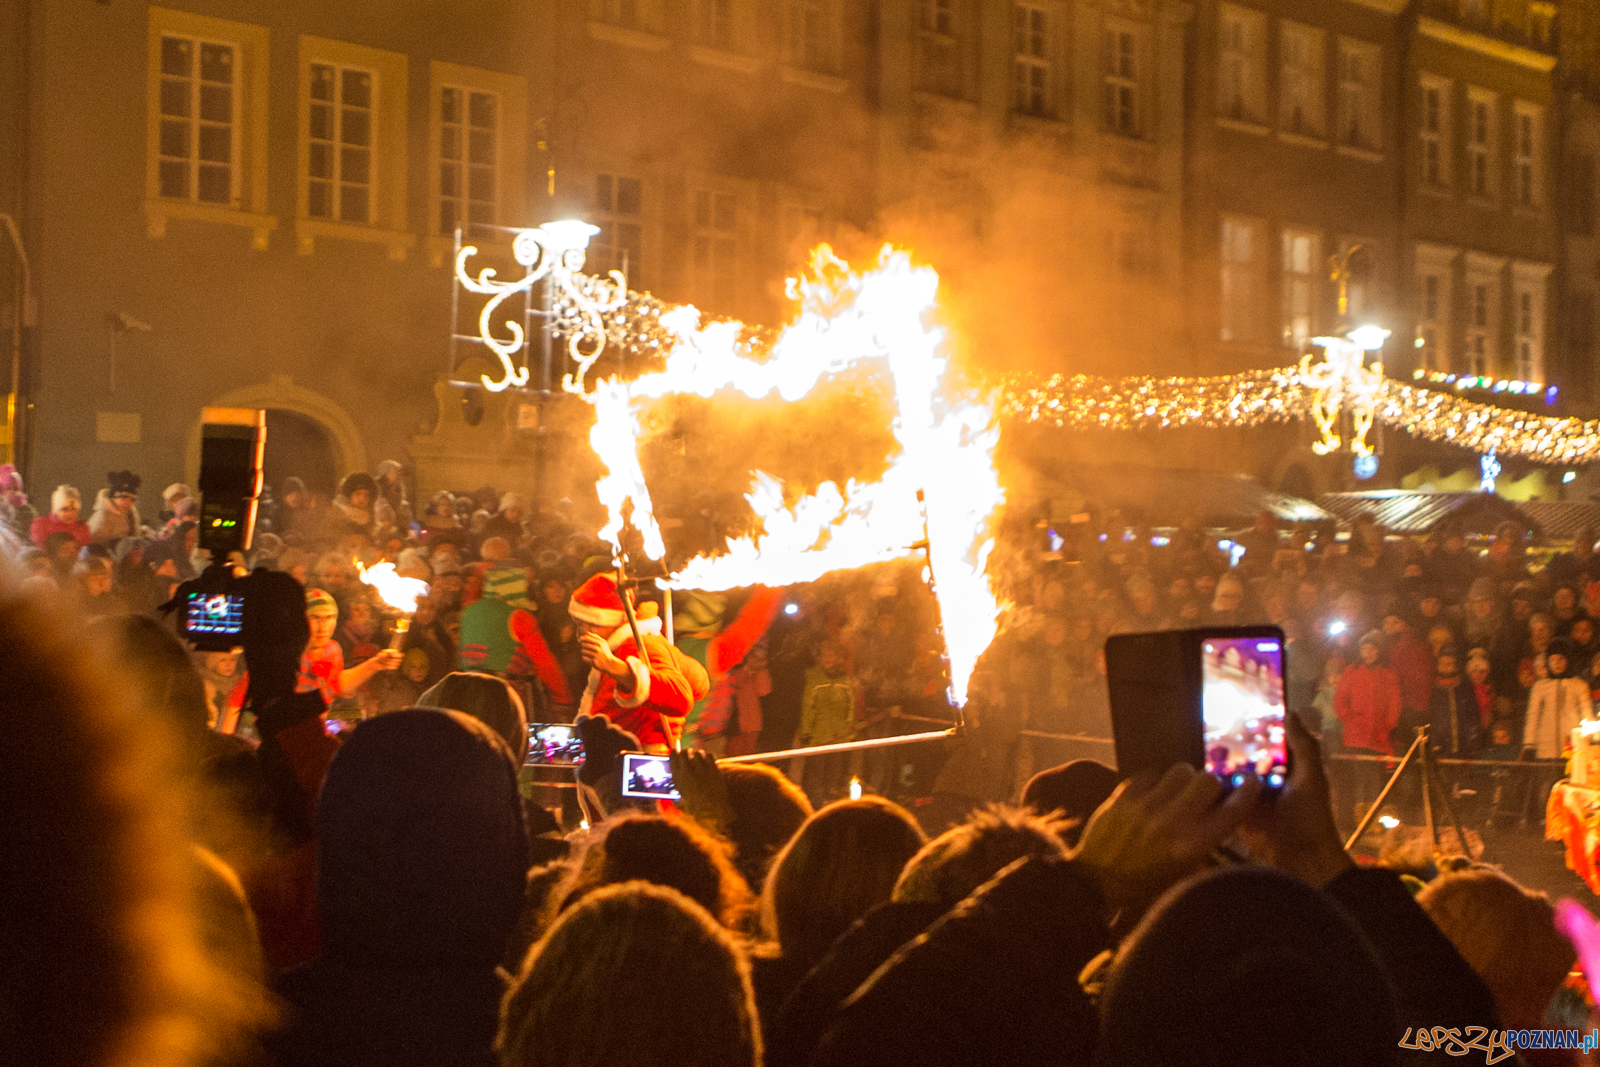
(946,447)
(398,592)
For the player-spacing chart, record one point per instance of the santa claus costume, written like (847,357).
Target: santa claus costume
(666,683)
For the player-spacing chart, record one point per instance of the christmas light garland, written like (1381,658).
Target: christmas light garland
(1251,398)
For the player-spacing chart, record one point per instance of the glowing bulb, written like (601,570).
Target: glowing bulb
(1569,477)
(1368,337)
(1336,627)
(568,234)
(1388,822)
(791,609)
(855,788)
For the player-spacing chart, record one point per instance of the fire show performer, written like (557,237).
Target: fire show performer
(649,697)
(322,666)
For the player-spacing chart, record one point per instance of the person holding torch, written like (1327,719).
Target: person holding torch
(647,692)
(322,666)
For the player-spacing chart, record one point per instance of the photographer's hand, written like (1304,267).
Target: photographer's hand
(1144,839)
(1295,831)
(704,790)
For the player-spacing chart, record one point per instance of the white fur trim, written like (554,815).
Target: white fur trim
(595,616)
(586,702)
(641,685)
(641,669)
(624,632)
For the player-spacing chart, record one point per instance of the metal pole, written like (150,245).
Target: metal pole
(24,297)
(1372,812)
(638,643)
(1449,805)
(1427,789)
(843,746)
(455,301)
(933,587)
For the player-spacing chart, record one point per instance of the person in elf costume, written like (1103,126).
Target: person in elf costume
(697,619)
(500,636)
(647,692)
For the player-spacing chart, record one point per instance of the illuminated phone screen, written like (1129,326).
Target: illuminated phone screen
(1242,703)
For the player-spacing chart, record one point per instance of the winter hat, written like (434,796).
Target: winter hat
(490,700)
(597,602)
(513,500)
(1562,646)
(320,602)
(175,491)
(1374,638)
(1481,589)
(507,583)
(1076,789)
(292,484)
(354,483)
(268,546)
(494,549)
(64,493)
(10,480)
(1246,965)
(123,482)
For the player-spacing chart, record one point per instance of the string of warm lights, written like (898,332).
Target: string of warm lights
(1251,398)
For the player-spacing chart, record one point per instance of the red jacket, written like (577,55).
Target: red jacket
(1412,661)
(1368,703)
(666,685)
(45,525)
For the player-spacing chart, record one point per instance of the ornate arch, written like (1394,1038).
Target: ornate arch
(280,391)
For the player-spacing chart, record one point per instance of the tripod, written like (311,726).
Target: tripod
(1420,754)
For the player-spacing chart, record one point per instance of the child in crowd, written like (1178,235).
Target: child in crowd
(750,681)
(827,716)
(322,666)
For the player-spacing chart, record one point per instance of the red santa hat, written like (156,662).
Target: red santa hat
(597,602)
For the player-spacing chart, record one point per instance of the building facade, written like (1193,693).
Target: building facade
(233,202)
(1480,200)
(1294,158)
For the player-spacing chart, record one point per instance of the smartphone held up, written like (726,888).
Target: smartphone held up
(647,776)
(1212,698)
(1241,704)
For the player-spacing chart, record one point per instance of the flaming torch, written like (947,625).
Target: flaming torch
(399,593)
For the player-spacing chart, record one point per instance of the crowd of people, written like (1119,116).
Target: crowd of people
(336,856)
(1498,656)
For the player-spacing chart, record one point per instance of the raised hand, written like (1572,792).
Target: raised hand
(1295,831)
(703,789)
(1144,839)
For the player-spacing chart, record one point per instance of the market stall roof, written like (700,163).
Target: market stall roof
(1159,496)
(1560,520)
(1410,511)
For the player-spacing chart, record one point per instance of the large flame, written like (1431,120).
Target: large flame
(394,590)
(946,448)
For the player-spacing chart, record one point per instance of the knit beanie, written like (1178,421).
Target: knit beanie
(320,602)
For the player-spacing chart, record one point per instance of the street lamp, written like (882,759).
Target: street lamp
(553,251)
